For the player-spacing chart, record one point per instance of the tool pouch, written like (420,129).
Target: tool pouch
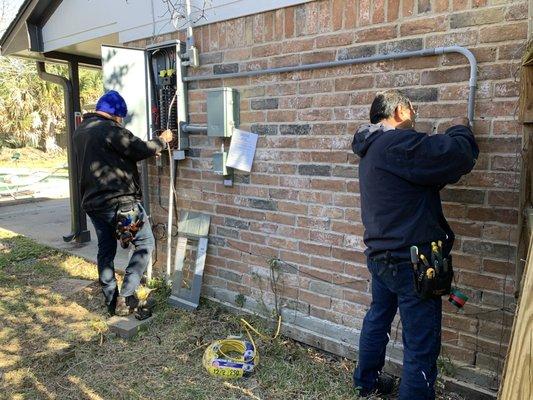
(128,221)
(438,285)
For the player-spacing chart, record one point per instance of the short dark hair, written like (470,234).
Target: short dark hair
(385,103)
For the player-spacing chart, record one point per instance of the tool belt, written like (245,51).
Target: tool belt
(128,221)
(433,277)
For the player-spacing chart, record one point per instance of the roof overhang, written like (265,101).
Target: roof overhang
(23,37)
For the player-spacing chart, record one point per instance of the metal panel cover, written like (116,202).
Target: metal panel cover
(124,70)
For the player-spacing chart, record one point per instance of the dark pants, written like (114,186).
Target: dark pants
(392,288)
(104,224)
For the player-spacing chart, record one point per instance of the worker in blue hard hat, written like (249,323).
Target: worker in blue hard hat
(408,240)
(107,156)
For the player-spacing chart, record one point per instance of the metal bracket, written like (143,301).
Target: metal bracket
(186,293)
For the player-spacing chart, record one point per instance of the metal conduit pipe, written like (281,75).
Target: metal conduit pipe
(194,129)
(379,57)
(78,222)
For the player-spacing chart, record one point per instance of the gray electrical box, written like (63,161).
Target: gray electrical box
(222,112)
(219,163)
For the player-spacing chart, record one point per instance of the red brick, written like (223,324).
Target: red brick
(374,34)
(335,40)
(480,281)
(337,14)
(516,12)
(258,28)
(278,24)
(491,214)
(294,257)
(466,228)
(378,11)
(315,299)
(280,116)
(265,50)
(350,14)
(353,83)
(326,238)
(297,45)
(495,108)
(476,343)
(466,262)
(462,38)
(351,228)
(408,7)
(498,267)
(506,89)
(289,22)
(441,5)
(502,33)
(292,207)
(348,254)
(425,25)
(268,19)
(503,198)
(458,5)
(490,180)
(316,249)
(393,10)
(500,232)
(318,57)
(512,51)
(331,100)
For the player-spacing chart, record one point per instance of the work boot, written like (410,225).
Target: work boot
(113,304)
(132,303)
(385,385)
(122,309)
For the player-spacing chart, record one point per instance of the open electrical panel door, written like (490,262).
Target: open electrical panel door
(150,80)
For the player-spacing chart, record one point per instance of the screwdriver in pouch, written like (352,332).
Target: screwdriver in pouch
(414,257)
(430,272)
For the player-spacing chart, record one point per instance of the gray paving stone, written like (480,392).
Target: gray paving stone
(126,327)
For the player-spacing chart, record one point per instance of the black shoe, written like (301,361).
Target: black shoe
(132,303)
(111,307)
(385,385)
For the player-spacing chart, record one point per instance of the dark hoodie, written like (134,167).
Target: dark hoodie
(401,172)
(107,156)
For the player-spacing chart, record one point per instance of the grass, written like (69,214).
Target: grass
(54,346)
(32,158)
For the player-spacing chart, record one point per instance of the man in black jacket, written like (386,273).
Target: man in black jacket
(107,156)
(401,172)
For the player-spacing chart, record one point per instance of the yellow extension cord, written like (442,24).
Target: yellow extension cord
(218,362)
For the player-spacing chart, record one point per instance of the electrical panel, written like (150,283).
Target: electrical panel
(167,92)
(222,112)
(150,80)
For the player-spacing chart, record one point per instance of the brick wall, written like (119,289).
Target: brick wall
(301,201)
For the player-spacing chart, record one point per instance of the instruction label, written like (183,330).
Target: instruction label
(242,150)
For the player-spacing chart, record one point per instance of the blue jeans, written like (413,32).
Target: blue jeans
(104,224)
(392,288)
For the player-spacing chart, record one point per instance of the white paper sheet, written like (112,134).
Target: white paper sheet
(242,150)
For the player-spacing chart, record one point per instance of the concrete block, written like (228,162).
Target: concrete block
(67,286)
(126,327)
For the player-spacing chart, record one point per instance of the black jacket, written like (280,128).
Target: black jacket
(107,156)
(400,175)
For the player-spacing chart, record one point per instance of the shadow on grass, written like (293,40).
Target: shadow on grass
(54,345)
